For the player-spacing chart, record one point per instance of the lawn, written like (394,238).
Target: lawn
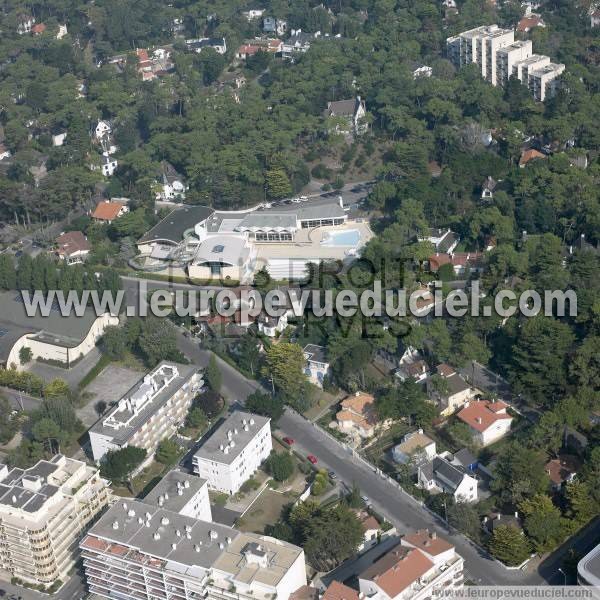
(144,481)
(265,510)
(324,401)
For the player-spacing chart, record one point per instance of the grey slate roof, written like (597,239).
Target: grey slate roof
(342,108)
(62,331)
(465,457)
(447,474)
(211,448)
(315,353)
(176,223)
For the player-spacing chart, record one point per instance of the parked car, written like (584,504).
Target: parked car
(288,440)
(312,459)
(332,475)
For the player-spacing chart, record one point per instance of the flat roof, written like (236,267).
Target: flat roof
(267,220)
(132,420)
(238,429)
(189,486)
(176,223)
(225,249)
(588,567)
(54,329)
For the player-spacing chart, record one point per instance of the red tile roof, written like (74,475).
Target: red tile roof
(71,242)
(398,569)
(428,542)
(107,211)
(529,155)
(458,259)
(559,469)
(339,591)
(249,49)
(527,23)
(481,415)
(39,28)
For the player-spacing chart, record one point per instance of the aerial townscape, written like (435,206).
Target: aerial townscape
(193,192)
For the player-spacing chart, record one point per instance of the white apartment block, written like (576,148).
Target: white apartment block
(152,410)
(43,512)
(234,451)
(499,57)
(421,567)
(151,549)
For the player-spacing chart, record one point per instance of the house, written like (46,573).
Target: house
(316,367)
(415,569)
(357,415)
(493,520)
(488,421)
(443,240)
(59,139)
(462,262)
(254,13)
(25,24)
(464,458)
(107,211)
(274,26)
(219,44)
(247,50)
(562,470)
(412,367)
(298,43)
(595,19)
(172,183)
(272,326)
(234,451)
(440,475)
(351,113)
(420,70)
(4,152)
(72,247)
(415,449)
(488,187)
(452,393)
(529,155)
(38,29)
(529,22)
(371,530)
(62,32)
(108,165)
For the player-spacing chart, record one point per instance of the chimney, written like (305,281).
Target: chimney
(115,525)
(478,420)
(434,535)
(186,484)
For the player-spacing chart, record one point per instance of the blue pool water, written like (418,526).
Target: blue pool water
(350,237)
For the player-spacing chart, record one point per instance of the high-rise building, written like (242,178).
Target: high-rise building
(43,512)
(150,549)
(500,57)
(153,409)
(234,451)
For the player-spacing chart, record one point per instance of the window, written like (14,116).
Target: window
(218,248)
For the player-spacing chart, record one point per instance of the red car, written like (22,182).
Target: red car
(288,440)
(311,458)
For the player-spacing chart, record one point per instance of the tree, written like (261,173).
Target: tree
(278,183)
(280,465)
(25,355)
(114,342)
(319,484)
(249,353)
(284,364)
(157,341)
(167,452)
(543,522)
(118,465)
(100,407)
(196,418)
(265,404)
(509,545)
(582,506)
(354,498)
(446,272)
(46,430)
(213,375)
(57,388)
(465,518)
(210,403)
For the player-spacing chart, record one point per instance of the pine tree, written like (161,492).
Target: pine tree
(509,545)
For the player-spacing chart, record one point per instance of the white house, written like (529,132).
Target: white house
(219,45)
(271,326)
(595,19)
(108,166)
(4,152)
(352,112)
(25,24)
(452,393)
(62,31)
(488,421)
(234,451)
(102,128)
(172,184)
(254,13)
(59,139)
(442,476)
(415,449)
(316,367)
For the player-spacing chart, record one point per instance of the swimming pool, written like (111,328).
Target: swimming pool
(348,237)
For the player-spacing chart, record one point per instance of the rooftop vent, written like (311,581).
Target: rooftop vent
(251,421)
(174,546)
(124,505)
(115,524)
(156,535)
(131,513)
(178,533)
(246,428)
(164,521)
(186,484)
(213,534)
(188,528)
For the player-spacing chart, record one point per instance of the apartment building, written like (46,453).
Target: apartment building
(500,57)
(139,551)
(153,409)
(234,451)
(43,512)
(421,566)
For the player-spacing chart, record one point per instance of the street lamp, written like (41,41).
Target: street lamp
(563,574)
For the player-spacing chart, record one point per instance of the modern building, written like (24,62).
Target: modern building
(441,475)
(317,365)
(138,551)
(43,512)
(416,568)
(57,338)
(415,449)
(487,421)
(153,409)
(588,568)
(499,57)
(234,451)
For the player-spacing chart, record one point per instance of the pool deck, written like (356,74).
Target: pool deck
(308,244)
